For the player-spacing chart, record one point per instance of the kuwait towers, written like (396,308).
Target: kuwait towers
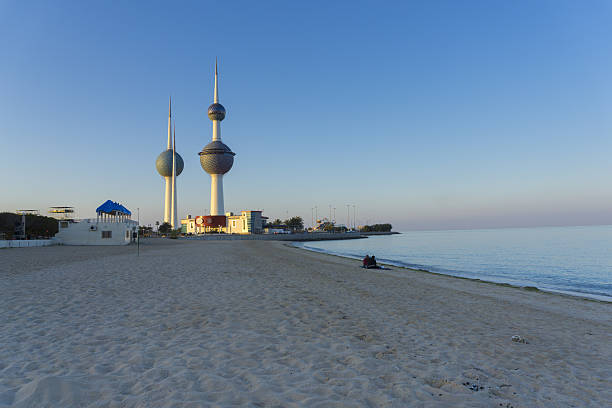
(169,165)
(216,158)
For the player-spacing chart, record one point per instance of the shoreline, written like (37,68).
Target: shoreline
(578,295)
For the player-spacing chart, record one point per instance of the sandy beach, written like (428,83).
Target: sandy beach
(263,324)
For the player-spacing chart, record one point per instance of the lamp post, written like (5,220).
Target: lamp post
(312,217)
(354,217)
(138,233)
(348,217)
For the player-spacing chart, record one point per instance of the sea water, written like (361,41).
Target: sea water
(572,260)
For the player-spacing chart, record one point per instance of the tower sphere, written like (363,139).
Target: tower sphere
(164,163)
(216,158)
(216,111)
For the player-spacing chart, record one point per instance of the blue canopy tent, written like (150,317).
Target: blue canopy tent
(112,208)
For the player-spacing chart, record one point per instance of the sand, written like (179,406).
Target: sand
(261,324)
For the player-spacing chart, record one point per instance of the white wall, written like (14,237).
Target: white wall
(190,224)
(23,243)
(234,225)
(89,232)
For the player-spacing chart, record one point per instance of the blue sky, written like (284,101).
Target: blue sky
(432,114)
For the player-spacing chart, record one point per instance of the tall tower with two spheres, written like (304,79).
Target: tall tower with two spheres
(169,165)
(216,157)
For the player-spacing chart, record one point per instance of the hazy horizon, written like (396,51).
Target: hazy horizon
(425,115)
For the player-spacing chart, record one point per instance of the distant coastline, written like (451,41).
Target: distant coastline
(296,237)
(380,233)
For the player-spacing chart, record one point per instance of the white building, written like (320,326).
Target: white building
(248,222)
(189,226)
(112,226)
(202,224)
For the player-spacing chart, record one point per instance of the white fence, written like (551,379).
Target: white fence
(25,243)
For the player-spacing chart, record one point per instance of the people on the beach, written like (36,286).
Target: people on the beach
(366,261)
(369,262)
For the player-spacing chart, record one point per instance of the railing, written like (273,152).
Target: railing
(106,220)
(23,243)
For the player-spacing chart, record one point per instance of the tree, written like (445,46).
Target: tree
(276,223)
(145,231)
(295,223)
(376,228)
(165,228)
(36,225)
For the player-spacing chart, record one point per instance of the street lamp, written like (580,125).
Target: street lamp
(312,217)
(348,216)
(138,232)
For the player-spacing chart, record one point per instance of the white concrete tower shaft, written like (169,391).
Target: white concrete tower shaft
(216,194)
(174,210)
(167,196)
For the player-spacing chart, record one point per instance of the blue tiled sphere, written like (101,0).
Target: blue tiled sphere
(216,111)
(216,158)
(163,164)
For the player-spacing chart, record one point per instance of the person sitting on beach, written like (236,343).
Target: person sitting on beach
(366,261)
(373,262)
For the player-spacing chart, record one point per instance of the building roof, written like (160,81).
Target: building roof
(113,208)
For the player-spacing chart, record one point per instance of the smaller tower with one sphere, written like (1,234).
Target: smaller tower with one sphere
(169,165)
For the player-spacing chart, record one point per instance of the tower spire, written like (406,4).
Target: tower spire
(169,119)
(216,99)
